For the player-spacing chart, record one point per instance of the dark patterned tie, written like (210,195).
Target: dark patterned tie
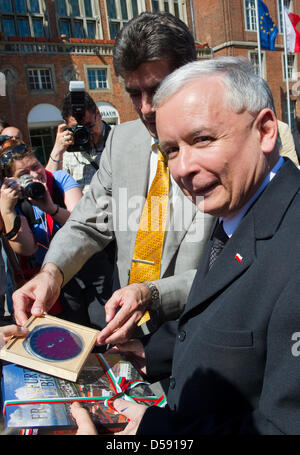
(219,239)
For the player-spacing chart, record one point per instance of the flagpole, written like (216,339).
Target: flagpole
(258,39)
(286,67)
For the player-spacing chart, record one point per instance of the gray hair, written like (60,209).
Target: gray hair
(245,90)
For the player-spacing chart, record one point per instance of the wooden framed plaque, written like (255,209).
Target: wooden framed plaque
(53,346)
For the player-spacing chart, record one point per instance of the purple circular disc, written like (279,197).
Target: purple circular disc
(53,343)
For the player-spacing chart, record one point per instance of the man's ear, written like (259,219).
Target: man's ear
(266,123)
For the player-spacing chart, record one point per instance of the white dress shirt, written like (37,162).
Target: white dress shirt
(174,188)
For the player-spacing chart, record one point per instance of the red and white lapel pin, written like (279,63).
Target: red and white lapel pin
(238,257)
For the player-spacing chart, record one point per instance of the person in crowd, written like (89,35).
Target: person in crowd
(3,284)
(81,164)
(296,137)
(235,364)
(10,262)
(156,280)
(7,331)
(12,132)
(13,277)
(288,142)
(98,275)
(34,204)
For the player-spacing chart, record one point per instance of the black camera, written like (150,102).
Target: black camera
(4,139)
(81,133)
(81,137)
(31,188)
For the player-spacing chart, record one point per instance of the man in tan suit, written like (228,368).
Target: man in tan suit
(288,145)
(144,54)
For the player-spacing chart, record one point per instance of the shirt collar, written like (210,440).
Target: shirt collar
(230,224)
(154,141)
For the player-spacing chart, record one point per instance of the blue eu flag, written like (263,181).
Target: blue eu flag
(267,29)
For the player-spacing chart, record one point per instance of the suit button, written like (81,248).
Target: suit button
(182,335)
(172,382)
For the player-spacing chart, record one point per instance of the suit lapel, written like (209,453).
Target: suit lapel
(183,212)
(236,257)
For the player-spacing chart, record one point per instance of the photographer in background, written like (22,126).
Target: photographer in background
(77,150)
(34,203)
(13,133)
(79,157)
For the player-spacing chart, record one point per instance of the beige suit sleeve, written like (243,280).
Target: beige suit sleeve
(288,145)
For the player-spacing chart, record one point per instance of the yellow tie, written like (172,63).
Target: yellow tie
(150,236)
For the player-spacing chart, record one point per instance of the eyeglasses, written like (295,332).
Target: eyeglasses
(6,157)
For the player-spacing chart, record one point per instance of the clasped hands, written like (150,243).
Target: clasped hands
(134,412)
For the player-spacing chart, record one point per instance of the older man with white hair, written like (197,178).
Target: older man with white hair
(235,365)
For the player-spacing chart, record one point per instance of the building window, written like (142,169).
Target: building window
(42,140)
(88,8)
(250,12)
(97,78)
(6,6)
(293,113)
(169,6)
(120,11)
(78,18)
(289,5)
(23,26)
(21,6)
(78,27)
(292,67)
(62,8)
(176,8)
(40,79)
(8,26)
(155,6)
(38,27)
(91,29)
(65,27)
(34,6)
(75,10)
(253,57)
(22,18)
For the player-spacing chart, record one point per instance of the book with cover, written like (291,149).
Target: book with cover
(37,403)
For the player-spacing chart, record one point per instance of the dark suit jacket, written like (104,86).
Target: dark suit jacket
(235,367)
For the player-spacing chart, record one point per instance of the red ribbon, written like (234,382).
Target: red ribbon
(125,385)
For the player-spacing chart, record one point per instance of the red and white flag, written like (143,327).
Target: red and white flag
(291,32)
(238,257)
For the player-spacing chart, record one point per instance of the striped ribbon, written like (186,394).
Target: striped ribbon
(120,386)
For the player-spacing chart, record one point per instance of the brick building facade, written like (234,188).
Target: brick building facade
(229,27)
(46,43)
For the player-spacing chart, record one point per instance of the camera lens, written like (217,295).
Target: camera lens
(35,190)
(81,136)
